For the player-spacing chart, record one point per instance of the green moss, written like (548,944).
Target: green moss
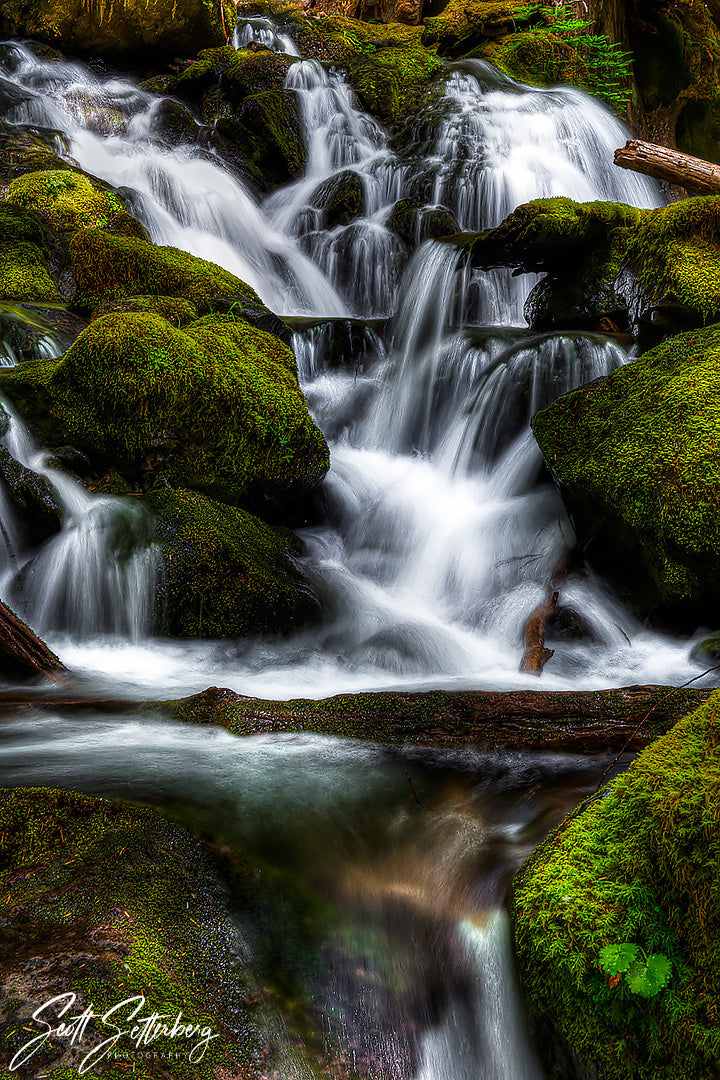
(391,81)
(637,458)
(226,572)
(267,127)
(641,864)
(539,58)
(466,23)
(123,903)
(25,151)
(177,311)
(214,406)
(673,253)
(25,273)
(68,201)
(109,268)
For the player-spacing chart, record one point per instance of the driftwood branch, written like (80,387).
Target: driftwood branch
(686,171)
(22,653)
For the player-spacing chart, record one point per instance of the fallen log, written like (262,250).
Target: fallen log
(691,173)
(22,653)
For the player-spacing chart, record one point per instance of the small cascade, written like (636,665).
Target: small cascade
(99,575)
(183,196)
(346,148)
(260,31)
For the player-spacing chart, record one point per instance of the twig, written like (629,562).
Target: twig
(412,788)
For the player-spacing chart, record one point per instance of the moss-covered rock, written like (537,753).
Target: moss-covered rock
(639,864)
(414,222)
(214,406)
(599,256)
(67,201)
(391,81)
(109,902)
(133,30)
(267,127)
(25,270)
(177,310)
(24,151)
(463,25)
(226,572)
(108,269)
(637,458)
(541,59)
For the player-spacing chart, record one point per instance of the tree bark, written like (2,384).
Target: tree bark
(22,653)
(691,173)
(713,7)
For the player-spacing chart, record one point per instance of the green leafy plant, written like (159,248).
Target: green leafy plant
(644,974)
(608,67)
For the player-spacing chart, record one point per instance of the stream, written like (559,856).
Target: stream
(438,534)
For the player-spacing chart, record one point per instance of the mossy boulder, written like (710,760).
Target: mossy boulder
(541,59)
(175,309)
(67,201)
(636,456)
(639,864)
(658,265)
(392,80)
(214,406)
(25,265)
(267,127)
(108,269)
(109,902)
(226,572)
(414,222)
(133,30)
(23,151)
(464,24)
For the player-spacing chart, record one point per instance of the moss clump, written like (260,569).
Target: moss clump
(637,459)
(466,23)
(641,864)
(25,273)
(68,201)
(215,406)
(27,151)
(109,268)
(543,59)
(226,572)
(177,311)
(118,902)
(391,81)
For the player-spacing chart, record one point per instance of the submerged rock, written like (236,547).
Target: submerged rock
(215,406)
(636,457)
(226,573)
(640,863)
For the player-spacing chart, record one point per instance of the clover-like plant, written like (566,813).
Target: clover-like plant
(644,974)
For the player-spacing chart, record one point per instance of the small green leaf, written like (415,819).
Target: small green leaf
(616,959)
(648,979)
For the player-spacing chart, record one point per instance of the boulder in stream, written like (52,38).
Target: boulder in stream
(225,573)
(639,864)
(636,456)
(215,406)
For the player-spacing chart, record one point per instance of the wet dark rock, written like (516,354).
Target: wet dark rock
(32,497)
(707,650)
(414,222)
(174,123)
(341,198)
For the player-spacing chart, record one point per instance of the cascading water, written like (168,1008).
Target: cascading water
(440,535)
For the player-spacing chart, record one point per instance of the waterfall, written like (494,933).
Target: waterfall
(98,575)
(438,530)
